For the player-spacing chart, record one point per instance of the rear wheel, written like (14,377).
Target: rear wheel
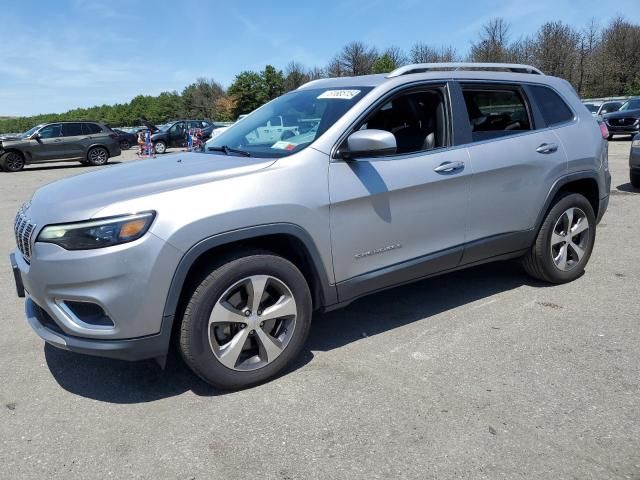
(97,156)
(160,147)
(12,162)
(565,241)
(634,178)
(246,320)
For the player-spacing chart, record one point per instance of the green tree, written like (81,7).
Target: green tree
(247,91)
(273,82)
(384,64)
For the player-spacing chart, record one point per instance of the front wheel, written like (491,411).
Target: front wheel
(160,147)
(12,162)
(124,145)
(246,320)
(565,241)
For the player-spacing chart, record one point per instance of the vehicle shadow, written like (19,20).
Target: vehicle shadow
(627,187)
(70,166)
(117,381)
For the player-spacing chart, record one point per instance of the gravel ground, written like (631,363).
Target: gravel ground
(477,374)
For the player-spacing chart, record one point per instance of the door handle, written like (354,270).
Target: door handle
(449,167)
(547,148)
(58,140)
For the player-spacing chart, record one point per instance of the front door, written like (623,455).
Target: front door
(400,217)
(48,145)
(177,135)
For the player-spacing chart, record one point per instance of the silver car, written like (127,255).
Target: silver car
(391,178)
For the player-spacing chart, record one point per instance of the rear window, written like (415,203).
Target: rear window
(91,128)
(71,129)
(554,110)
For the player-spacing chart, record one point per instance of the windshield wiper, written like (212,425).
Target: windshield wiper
(228,150)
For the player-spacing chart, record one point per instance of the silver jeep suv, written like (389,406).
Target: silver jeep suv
(388,179)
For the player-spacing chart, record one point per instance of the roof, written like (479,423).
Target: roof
(437,71)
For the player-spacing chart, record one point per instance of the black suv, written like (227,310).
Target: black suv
(90,143)
(625,121)
(174,134)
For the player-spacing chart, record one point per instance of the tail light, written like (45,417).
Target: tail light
(603,129)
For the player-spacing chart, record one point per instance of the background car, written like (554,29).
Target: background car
(634,162)
(625,121)
(126,139)
(600,108)
(174,134)
(90,143)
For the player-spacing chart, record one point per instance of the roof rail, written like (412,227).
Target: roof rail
(426,67)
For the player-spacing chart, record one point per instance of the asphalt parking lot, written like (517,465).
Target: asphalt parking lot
(483,373)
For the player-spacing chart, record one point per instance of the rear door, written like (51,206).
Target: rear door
(514,161)
(74,139)
(49,145)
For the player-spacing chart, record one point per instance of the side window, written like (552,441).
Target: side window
(91,128)
(51,131)
(71,129)
(177,129)
(416,119)
(554,109)
(495,112)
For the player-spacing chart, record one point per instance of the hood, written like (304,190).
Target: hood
(9,137)
(623,114)
(81,197)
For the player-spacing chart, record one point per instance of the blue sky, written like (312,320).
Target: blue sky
(60,54)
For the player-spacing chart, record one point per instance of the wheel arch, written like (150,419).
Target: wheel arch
(584,183)
(96,145)
(287,240)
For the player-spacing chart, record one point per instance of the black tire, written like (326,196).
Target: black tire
(162,145)
(634,178)
(97,156)
(124,145)
(194,331)
(12,162)
(539,262)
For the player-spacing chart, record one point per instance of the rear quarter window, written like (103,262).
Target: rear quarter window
(91,128)
(553,108)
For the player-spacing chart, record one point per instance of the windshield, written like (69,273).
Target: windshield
(631,105)
(591,107)
(287,124)
(30,132)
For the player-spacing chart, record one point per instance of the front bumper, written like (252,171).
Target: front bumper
(129,282)
(153,346)
(623,130)
(634,159)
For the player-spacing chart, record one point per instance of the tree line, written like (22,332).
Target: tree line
(598,61)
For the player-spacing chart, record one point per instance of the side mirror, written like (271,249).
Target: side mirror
(370,143)
(35,136)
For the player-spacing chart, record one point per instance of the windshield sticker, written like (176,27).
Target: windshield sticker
(282,145)
(339,94)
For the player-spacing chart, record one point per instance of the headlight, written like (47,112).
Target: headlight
(99,233)
(636,143)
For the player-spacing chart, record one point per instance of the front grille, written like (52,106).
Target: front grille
(622,122)
(23,230)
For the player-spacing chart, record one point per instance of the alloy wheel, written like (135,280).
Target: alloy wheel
(98,156)
(13,162)
(569,239)
(252,322)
